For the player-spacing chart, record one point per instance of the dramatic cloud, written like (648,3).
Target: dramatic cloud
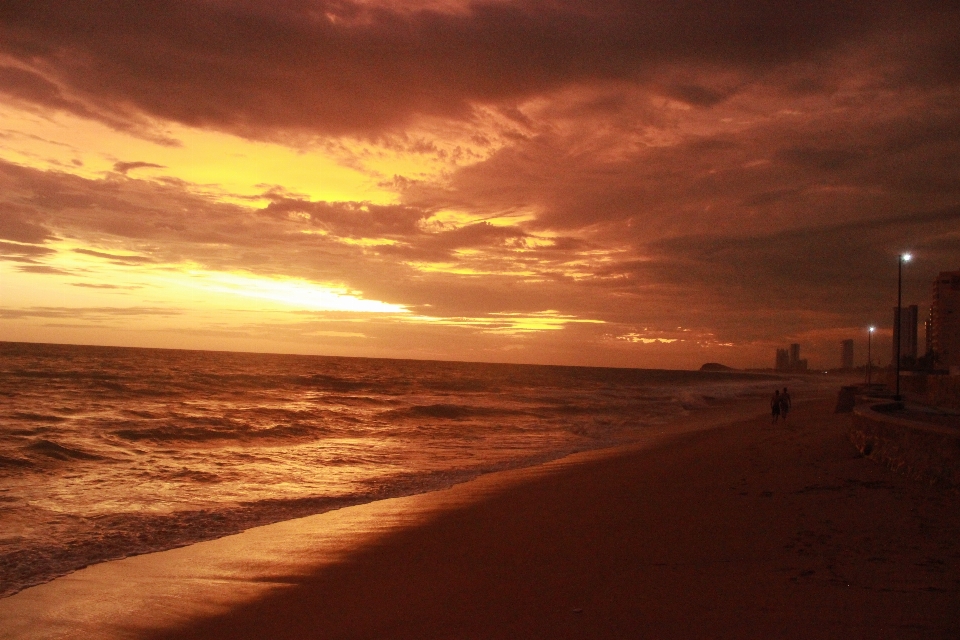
(124,167)
(19,224)
(22,252)
(643,183)
(354,220)
(354,67)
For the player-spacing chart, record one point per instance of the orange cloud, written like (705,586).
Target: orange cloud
(563,181)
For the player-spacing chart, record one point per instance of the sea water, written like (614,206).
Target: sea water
(110,452)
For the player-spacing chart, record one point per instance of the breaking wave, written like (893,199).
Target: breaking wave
(109,452)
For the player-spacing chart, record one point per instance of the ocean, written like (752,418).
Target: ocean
(111,452)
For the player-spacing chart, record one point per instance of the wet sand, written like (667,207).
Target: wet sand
(746,531)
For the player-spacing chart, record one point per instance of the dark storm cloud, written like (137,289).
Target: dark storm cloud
(32,87)
(22,252)
(118,206)
(845,270)
(880,155)
(440,245)
(41,268)
(114,258)
(747,170)
(162,215)
(788,221)
(16,225)
(645,274)
(350,67)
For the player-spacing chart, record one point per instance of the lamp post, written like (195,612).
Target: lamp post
(904,257)
(869,358)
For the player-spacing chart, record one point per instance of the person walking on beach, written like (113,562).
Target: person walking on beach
(775,405)
(784,403)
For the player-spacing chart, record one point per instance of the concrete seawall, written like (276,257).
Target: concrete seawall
(932,390)
(927,452)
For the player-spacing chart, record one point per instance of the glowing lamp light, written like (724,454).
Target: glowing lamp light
(904,257)
(872,329)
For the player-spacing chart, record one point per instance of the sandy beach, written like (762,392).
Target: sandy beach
(746,530)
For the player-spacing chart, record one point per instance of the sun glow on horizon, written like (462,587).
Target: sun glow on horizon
(293,292)
(87,274)
(510,323)
(82,272)
(636,337)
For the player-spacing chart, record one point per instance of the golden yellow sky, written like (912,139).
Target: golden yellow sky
(183,296)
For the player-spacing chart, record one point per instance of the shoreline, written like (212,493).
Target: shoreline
(688,528)
(348,528)
(309,508)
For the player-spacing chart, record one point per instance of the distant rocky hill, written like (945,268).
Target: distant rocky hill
(716,366)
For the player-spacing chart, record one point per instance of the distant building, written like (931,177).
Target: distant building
(796,364)
(846,354)
(783,360)
(905,324)
(945,319)
(790,360)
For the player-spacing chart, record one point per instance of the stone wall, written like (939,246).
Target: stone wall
(927,452)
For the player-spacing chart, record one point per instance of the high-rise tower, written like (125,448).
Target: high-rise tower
(905,325)
(846,354)
(945,319)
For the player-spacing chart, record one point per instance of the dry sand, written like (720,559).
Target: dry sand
(745,531)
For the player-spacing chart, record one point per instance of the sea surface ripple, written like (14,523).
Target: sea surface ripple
(110,452)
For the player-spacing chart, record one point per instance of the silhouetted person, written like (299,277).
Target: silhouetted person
(775,405)
(784,403)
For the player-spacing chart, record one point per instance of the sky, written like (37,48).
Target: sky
(633,184)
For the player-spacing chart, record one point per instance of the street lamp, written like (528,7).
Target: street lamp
(869,358)
(904,257)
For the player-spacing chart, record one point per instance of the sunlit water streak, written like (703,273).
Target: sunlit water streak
(110,452)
